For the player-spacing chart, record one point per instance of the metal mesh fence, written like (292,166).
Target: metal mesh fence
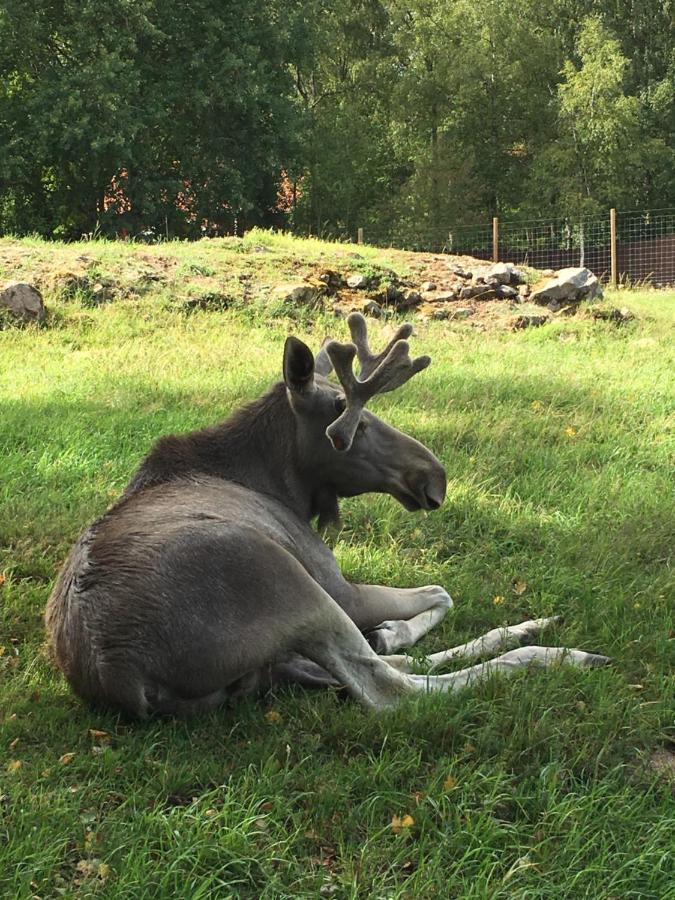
(644,244)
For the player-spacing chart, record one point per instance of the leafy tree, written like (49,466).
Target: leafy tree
(188,106)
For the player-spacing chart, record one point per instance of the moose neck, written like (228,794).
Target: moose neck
(255,447)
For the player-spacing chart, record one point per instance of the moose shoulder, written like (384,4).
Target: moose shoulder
(206,579)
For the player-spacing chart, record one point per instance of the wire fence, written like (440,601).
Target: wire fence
(623,247)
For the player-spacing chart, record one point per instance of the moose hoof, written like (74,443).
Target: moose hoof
(388,637)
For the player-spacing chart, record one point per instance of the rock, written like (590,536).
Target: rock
(392,293)
(427,286)
(354,255)
(620,316)
(459,271)
(301,293)
(442,313)
(506,292)
(408,300)
(439,296)
(23,301)
(500,272)
(524,290)
(477,292)
(333,280)
(529,322)
(357,282)
(371,308)
(462,312)
(517,275)
(212,300)
(567,286)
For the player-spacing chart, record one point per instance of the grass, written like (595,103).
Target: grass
(558,448)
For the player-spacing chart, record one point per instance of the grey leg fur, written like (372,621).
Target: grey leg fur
(495,641)
(397,617)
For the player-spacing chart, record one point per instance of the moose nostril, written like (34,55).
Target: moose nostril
(432,502)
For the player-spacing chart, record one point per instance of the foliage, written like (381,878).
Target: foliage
(406,119)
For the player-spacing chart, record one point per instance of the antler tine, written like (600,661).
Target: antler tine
(368,361)
(394,370)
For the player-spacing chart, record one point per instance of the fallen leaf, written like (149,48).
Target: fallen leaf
(3,579)
(210,813)
(103,871)
(14,744)
(401,824)
(14,766)
(519,587)
(498,600)
(103,737)
(91,839)
(66,758)
(273,717)
(86,868)
(449,783)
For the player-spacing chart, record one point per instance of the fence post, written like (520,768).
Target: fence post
(359,236)
(612,246)
(495,239)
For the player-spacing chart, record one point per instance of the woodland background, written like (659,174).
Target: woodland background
(182,119)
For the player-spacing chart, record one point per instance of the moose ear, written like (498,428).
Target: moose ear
(298,366)
(322,361)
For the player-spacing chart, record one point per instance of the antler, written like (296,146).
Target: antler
(384,372)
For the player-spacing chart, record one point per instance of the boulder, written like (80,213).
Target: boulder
(462,312)
(459,271)
(358,282)
(408,300)
(301,293)
(23,301)
(529,322)
(371,308)
(500,272)
(477,292)
(333,280)
(620,316)
(506,292)
(567,286)
(427,286)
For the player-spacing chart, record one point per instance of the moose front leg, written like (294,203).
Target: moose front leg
(392,617)
(495,641)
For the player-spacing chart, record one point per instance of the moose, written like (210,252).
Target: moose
(206,579)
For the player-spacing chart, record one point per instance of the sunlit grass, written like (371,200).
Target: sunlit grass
(558,445)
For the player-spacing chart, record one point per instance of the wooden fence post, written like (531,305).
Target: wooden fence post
(495,239)
(359,236)
(612,247)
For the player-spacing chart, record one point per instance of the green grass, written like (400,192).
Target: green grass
(558,443)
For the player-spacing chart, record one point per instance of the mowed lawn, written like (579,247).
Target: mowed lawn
(558,444)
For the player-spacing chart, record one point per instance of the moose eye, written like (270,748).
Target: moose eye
(340,404)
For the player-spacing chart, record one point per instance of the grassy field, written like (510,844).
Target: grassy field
(558,443)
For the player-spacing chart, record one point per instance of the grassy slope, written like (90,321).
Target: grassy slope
(556,447)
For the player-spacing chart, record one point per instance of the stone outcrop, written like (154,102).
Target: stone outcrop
(23,301)
(566,286)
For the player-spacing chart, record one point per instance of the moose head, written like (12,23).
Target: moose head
(344,446)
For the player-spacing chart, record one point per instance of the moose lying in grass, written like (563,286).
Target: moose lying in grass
(206,579)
